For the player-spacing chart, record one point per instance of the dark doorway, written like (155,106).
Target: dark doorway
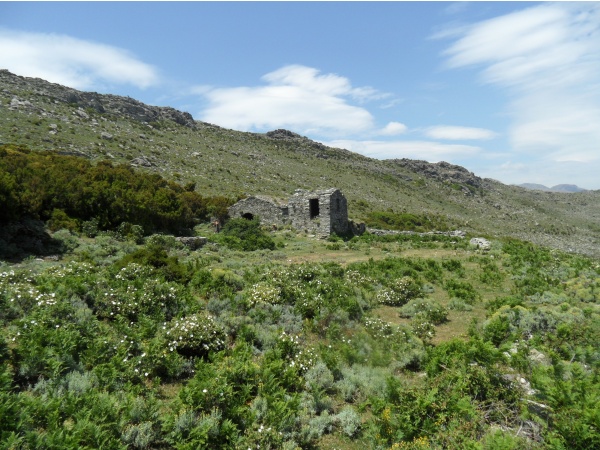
(248,216)
(314,207)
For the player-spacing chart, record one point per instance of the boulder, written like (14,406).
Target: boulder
(481,243)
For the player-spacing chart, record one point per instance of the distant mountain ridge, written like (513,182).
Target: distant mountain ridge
(557,188)
(101,127)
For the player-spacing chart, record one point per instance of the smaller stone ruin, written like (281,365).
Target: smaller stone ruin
(320,212)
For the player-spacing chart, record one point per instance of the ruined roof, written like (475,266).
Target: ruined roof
(264,198)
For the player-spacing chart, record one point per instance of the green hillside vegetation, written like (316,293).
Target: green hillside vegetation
(222,162)
(116,335)
(377,342)
(68,191)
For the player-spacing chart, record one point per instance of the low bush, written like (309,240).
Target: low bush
(463,290)
(432,310)
(245,235)
(399,292)
(195,335)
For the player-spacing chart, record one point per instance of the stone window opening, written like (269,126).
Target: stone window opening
(313,204)
(248,216)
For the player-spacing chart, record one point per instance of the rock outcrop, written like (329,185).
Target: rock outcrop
(443,171)
(104,104)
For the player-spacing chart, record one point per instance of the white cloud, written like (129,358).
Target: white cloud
(425,150)
(458,133)
(547,57)
(296,97)
(72,62)
(393,128)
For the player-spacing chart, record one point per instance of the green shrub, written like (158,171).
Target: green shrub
(456,304)
(157,257)
(422,327)
(59,219)
(453,265)
(462,290)
(68,240)
(245,235)
(432,310)
(348,420)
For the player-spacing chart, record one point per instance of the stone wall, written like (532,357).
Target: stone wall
(266,210)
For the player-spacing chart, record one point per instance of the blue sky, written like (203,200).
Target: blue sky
(509,90)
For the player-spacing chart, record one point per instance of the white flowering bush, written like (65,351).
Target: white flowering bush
(358,279)
(298,356)
(313,289)
(195,335)
(134,292)
(399,292)
(422,327)
(263,292)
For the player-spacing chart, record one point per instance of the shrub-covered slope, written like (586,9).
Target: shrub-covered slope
(388,342)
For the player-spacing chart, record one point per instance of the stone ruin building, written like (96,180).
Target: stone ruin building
(320,212)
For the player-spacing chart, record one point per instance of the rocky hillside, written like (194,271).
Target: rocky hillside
(46,116)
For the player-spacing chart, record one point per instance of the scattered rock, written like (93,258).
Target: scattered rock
(15,103)
(522,382)
(105,135)
(286,135)
(539,409)
(193,242)
(141,161)
(481,243)
(81,113)
(538,357)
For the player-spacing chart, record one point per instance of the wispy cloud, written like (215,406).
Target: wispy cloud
(323,106)
(72,62)
(455,133)
(425,150)
(296,97)
(547,58)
